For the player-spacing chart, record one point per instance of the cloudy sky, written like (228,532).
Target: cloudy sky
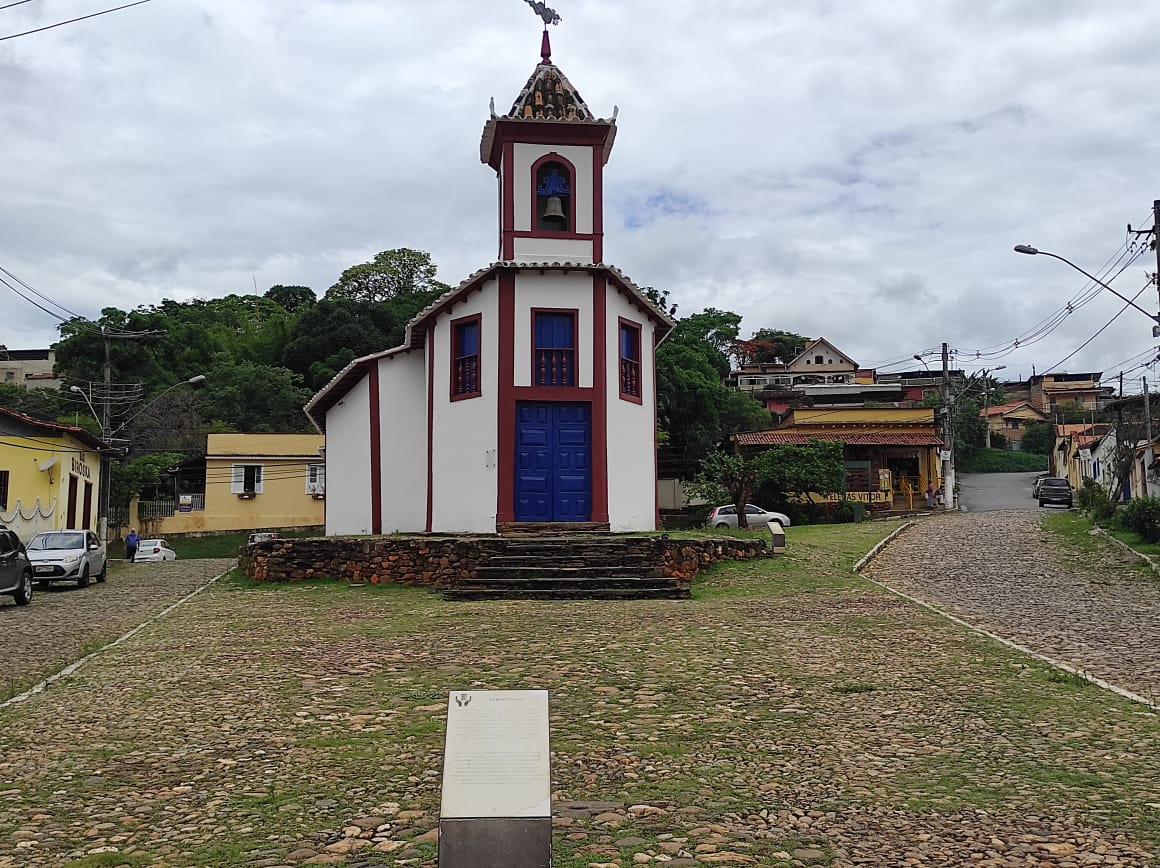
(857,170)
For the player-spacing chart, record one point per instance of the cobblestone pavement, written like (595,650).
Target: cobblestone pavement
(790,714)
(1003,571)
(65,622)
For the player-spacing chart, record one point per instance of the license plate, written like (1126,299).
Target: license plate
(45,569)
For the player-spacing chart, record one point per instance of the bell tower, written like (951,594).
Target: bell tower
(549,154)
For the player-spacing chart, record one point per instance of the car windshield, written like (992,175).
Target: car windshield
(56,541)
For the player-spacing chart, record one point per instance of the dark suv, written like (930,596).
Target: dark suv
(15,570)
(1055,489)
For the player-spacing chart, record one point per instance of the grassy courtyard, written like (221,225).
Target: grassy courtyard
(789,711)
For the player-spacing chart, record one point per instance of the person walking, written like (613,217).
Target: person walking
(131,542)
(930,495)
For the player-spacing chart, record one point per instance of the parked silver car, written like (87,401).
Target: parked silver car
(15,569)
(67,556)
(755,516)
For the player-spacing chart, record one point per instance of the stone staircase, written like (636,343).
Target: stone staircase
(576,567)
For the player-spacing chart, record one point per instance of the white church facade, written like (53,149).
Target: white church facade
(526,395)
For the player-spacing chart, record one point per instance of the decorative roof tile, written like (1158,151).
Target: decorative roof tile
(549,96)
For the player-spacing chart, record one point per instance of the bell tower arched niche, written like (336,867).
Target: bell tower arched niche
(553,199)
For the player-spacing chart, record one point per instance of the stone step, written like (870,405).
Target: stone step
(564,580)
(551,528)
(537,593)
(608,559)
(558,571)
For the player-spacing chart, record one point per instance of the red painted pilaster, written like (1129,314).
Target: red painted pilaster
(430,424)
(599,398)
(597,204)
(505,463)
(376,443)
(656,466)
(507,230)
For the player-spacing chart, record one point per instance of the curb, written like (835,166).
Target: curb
(1143,557)
(873,553)
(77,664)
(1023,649)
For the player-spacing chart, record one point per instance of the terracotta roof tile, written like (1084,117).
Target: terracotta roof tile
(549,96)
(850,438)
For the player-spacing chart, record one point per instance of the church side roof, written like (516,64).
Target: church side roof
(348,377)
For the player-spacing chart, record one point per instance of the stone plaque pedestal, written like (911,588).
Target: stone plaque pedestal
(497,792)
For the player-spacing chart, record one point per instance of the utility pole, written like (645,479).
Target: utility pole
(1147,413)
(948,433)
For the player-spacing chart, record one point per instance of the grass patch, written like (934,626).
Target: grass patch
(1000,461)
(223,545)
(854,688)
(109,860)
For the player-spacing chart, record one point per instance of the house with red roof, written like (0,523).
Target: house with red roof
(1011,420)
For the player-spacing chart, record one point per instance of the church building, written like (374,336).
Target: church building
(525,395)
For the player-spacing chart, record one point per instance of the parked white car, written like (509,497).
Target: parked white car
(67,556)
(755,516)
(150,550)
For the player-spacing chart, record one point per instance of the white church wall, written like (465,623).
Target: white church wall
(552,250)
(464,480)
(403,442)
(552,290)
(579,156)
(348,461)
(632,487)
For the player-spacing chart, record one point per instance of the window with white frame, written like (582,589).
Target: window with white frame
(316,479)
(247,479)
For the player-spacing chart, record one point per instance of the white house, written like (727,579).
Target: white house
(527,393)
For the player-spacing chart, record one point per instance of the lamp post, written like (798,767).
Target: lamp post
(1034,251)
(108,436)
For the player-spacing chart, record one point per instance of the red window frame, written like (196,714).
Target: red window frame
(555,367)
(466,368)
(629,369)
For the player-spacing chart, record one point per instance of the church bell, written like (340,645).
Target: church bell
(554,210)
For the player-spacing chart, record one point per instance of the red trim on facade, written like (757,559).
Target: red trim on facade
(505,461)
(376,444)
(553,157)
(547,394)
(656,465)
(430,424)
(508,195)
(477,318)
(629,396)
(575,313)
(599,417)
(566,236)
(597,206)
(542,132)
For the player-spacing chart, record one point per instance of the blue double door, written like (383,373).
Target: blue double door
(553,462)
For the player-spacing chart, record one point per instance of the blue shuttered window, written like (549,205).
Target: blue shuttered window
(554,353)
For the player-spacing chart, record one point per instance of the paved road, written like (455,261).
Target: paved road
(64,622)
(983,492)
(1004,572)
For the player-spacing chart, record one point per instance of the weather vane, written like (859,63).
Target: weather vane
(550,16)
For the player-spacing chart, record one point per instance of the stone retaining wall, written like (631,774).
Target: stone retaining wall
(445,561)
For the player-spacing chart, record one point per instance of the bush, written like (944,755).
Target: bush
(1142,515)
(1094,500)
(1000,461)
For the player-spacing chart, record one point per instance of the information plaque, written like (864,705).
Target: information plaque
(497,789)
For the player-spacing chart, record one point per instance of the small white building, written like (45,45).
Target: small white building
(527,393)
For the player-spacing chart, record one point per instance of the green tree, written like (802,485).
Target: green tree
(146,475)
(1038,438)
(291,298)
(769,345)
(252,398)
(1071,413)
(392,273)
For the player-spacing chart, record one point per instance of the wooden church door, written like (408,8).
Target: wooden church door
(553,462)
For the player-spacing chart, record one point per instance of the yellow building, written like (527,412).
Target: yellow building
(50,475)
(891,453)
(252,482)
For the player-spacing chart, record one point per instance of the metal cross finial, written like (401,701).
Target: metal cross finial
(550,16)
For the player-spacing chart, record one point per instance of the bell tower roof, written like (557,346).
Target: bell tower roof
(548,99)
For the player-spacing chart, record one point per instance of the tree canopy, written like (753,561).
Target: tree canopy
(392,273)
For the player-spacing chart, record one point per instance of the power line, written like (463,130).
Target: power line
(17,3)
(1099,330)
(74,20)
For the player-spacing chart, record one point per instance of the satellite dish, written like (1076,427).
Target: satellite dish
(47,463)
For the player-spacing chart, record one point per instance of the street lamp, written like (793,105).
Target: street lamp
(1033,251)
(108,436)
